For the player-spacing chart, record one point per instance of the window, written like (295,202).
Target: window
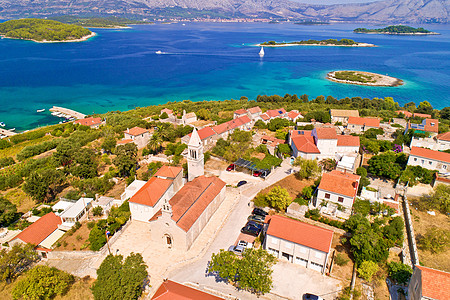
(415,158)
(429,163)
(444,166)
(341,199)
(327,196)
(423,161)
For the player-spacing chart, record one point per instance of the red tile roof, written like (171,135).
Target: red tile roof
(136,131)
(39,230)
(219,129)
(342,183)
(273,113)
(295,133)
(240,111)
(255,110)
(431,125)
(168,171)
(89,121)
(444,136)
(265,117)
(204,133)
(405,112)
(152,191)
(170,290)
(435,283)
(324,133)
(305,144)
(167,111)
(125,141)
(430,154)
(193,198)
(300,233)
(293,115)
(425,116)
(370,122)
(272,139)
(348,141)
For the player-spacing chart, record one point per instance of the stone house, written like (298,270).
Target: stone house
(188,118)
(360,125)
(429,284)
(336,193)
(207,135)
(429,159)
(298,242)
(428,125)
(91,122)
(137,135)
(225,129)
(342,115)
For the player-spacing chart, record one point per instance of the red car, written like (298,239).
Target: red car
(230,167)
(257,173)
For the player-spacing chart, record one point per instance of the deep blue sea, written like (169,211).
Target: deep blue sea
(119,69)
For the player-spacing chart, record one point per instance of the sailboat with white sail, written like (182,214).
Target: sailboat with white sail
(261,52)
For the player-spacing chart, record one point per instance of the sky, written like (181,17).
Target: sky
(333,1)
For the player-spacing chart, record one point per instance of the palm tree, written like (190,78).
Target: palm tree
(155,142)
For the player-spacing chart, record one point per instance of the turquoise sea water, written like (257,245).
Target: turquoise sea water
(119,69)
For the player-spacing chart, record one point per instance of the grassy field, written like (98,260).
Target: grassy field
(292,184)
(18,197)
(13,150)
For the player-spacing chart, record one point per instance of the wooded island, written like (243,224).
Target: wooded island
(328,42)
(397,29)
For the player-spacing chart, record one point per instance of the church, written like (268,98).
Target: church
(177,211)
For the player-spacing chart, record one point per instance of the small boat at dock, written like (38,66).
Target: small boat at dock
(40,110)
(2,124)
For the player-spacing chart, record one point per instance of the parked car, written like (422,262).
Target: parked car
(250,230)
(256,173)
(245,244)
(230,167)
(237,249)
(264,174)
(241,183)
(254,224)
(308,296)
(259,211)
(257,218)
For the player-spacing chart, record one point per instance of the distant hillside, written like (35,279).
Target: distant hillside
(388,11)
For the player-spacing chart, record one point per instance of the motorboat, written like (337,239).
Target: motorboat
(261,52)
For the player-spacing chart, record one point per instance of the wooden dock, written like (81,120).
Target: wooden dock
(8,133)
(69,112)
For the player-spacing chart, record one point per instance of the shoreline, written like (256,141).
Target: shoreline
(381,80)
(317,45)
(400,33)
(82,39)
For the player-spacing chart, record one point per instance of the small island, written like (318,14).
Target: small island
(363,78)
(328,42)
(396,29)
(44,31)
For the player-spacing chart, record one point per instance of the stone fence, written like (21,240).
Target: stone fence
(410,232)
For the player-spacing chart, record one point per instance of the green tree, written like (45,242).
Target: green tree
(394,231)
(119,279)
(8,212)
(308,168)
(399,272)
(16,260)
(387,164)
(435,240)
(224,264)
(155,143)
(203,114)
(279,198)
(284,149)
(125,161)
(65,153)
(163,116)
(367,269)
(42,282)
(109,144)
(97,211)
(445,113)
(307,192)
(43,185)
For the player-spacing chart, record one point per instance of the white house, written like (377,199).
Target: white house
(443,141)
(298,242)
(139,136)
(132,189)
(336,193)
(74,213)
(429,159)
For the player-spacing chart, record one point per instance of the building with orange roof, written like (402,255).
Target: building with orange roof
(150,197)
(338,191)
(139,136)
(428,125)
(182,217)
(443,141)
(91,122)
(40,231)
(169,112)
(342,115)
(207,135)
(293,115)
(322,142)
(419,115)
(404,112)
(429,284)
(359,124)
(171,290)
(429,159)
(225,129)
(298,242)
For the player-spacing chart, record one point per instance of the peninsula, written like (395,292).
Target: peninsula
(328,42)
(363,78)
(44,31)
(397,29)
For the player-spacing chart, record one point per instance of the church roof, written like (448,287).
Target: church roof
(152,191)
(195,139)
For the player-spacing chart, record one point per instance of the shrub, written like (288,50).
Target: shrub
(340,260)
(97,211)
(260,200)
(435,240)
(367,269)
(90,225)
(399,272)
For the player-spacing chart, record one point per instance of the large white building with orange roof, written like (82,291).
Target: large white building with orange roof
(429,159)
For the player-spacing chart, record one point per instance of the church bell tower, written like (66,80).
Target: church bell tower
(196,165)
